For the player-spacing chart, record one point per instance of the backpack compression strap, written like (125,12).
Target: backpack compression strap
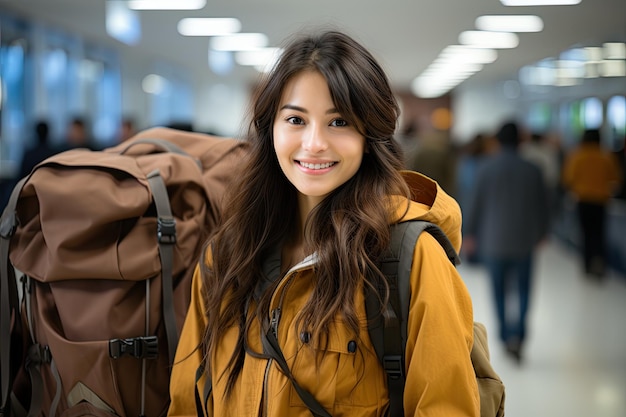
(389,333)
(166,233)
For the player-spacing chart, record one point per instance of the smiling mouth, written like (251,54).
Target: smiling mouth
(316,166)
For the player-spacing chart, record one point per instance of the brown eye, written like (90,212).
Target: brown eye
(339,123)
(294,120)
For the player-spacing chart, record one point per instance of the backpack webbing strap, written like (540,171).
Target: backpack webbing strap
(57,395)
(9,299)
(272,348)
(164,146)
(201,402)
(166,232)
(36,356)
(389,340)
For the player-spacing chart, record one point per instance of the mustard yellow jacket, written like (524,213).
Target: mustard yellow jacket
(591,174)
(347,381)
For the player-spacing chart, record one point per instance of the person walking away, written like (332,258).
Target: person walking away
(592,176)
(302,234)
(435,157)
(471,157)
(545,154)
(507,217)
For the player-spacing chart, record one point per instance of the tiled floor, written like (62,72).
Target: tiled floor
(575,359)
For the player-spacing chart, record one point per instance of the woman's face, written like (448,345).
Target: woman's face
(317,149)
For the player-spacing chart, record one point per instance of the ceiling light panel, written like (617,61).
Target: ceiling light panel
(239,42)
(539,2)
(613,68)
(488,39)
(614,50)
(468,54)
(509,23)
(208,26)
(166,4)
(260,58)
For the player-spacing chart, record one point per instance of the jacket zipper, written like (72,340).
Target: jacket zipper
(274,327)
(275,318)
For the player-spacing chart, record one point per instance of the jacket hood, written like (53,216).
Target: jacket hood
(431,203)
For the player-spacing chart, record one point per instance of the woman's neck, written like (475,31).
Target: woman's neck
(293,250)
(292,254)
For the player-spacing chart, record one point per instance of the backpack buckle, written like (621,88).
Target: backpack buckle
(139,347)
(9,225)
(166,230)
(37,355)
(394,366)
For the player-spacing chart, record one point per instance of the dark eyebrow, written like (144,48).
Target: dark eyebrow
(292,107)
(303,110)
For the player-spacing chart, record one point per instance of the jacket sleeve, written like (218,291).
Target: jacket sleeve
(188,356)
(440,376)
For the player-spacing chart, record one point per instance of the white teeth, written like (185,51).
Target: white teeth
(316,166)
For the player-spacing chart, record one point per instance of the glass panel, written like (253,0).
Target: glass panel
(616,121)
(14,65)
(591,113)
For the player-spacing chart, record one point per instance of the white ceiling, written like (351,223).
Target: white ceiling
(405,35)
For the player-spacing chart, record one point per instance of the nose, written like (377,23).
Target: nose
(314,139)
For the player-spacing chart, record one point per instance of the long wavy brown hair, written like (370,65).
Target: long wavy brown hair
(348,231)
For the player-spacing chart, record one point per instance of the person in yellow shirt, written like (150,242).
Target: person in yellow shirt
(592,175)
(302,233)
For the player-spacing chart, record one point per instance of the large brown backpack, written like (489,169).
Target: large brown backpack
(97,251)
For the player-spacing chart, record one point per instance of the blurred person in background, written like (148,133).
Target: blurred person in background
(545,155)
(127,129)
(435,157)
(471,157)
(42,149)
(507,217)
(77,135)
(592,176)
(621,158)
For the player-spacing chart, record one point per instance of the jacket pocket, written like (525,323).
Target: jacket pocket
(339,371)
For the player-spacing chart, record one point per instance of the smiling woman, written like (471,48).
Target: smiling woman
(317,149)
(278,300)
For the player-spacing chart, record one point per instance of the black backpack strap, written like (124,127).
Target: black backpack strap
(166,232)
(389,334)
(9,298)
(201,401)
(37,356)
(272,348)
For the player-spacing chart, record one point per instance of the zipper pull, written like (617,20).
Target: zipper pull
(274,321)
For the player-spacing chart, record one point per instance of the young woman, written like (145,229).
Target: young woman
(299,245)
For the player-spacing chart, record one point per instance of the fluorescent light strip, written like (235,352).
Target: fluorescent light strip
(454,64)
(488,39)
(593,53)
(239,42)
(614,50)
(192,26)
(539,2)
(510,23)
(258,57)
(166,4)
(613,68)
(467,54)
